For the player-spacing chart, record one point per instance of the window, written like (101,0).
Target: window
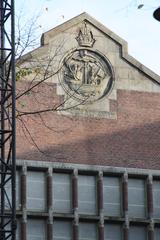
(138,233)
(8,192)
(18,230)
(61,192)
(112,231)
(87,231)
(136,198)
(36,191)
(156,233)
(86,194)
(8,228)
(156,198)
(88,214)
(62,230)
(36,229)
(112,197)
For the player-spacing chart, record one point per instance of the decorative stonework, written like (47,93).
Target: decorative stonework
(85,37)
(86,75)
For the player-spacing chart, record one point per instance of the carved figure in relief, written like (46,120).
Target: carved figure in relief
(85,69)
(86,75)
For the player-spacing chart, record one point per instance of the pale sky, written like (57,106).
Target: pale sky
(136,26)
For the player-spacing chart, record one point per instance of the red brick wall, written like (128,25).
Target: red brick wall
(130,141)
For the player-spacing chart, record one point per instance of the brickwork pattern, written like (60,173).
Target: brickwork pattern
(131,140)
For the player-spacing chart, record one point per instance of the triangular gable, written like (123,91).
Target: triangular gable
(90,74)
(124,46)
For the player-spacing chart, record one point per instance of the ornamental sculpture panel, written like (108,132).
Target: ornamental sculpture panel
(86,74)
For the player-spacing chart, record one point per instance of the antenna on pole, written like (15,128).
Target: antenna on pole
(7,122)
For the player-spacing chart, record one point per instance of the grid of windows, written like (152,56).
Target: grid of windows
(69,204)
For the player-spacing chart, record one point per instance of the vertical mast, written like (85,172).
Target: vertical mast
(7,121)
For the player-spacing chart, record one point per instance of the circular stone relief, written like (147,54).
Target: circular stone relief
(86,75)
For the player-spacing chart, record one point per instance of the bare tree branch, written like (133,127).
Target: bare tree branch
(34,72)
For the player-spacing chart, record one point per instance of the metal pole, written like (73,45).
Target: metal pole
(14,225)
(2,206)
(7,122)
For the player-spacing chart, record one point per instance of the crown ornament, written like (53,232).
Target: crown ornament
(85,37)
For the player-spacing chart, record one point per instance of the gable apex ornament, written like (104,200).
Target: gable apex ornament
(85,37)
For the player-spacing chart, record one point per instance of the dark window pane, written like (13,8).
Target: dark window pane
(61,192)
(112,232)
(36,190)
(156,233)
(8,192)
(138,233)
(156,198)
(8,228)
(112,196)
(87,194)
(36,229)
(136,198)
(87,231)
(62,230)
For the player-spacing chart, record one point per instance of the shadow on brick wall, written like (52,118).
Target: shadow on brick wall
(135,147)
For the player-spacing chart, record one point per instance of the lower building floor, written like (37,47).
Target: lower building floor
(64,201)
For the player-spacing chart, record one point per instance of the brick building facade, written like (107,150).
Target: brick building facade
(89,169)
